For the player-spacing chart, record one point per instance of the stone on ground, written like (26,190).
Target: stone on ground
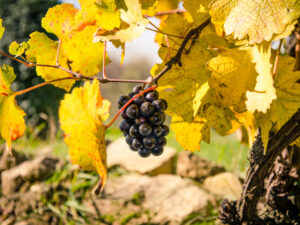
(192,166)
(224,185)
(118,153)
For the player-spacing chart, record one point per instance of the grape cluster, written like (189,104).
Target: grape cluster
(142,123)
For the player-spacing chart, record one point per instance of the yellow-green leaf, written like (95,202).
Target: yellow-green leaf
(12,124)
(81,116)
(260,20)
(197,9)
(18,49)
(2,29)
(233,75)
(264,92)
(133,18)
(43,50)
(148,7)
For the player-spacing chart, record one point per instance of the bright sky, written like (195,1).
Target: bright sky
(143,47)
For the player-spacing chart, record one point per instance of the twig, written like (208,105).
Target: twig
(127,103)
(104,55)
(277,58)
(194,33)
(159,31)
(13,58)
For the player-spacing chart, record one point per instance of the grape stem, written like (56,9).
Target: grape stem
(127,103)
(277,58)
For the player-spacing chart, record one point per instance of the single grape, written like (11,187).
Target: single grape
(159,105)
(139,100)
(143,152)
(137,89)
(149,142)
(124,116)
(147,109)
(145,129)
(157,118)
(132,148)
(131,94)
(124,126)
(161,141)
(129,139)
(137,143)
(132,111)
(151,96)
(140,120)
(134,130)
(157,151)
(165,130)
(122,101)
(165,103)
(157,131)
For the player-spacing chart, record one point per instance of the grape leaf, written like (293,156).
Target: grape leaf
(148,7)
(264,92)
(233,75)
(2,29)
(219,10)
(77,47)
(12,124)
(43,50)
(18,49)
(104,13)
(288,98)
(197,9)
(261,19)
(135,24)
(81,115)
(165,5)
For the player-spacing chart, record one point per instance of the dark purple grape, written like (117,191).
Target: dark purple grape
(157,118)
(165,103)
(157,151)
(143,152)
(137,143)
(132,111)
(137,89)
(157,131)
(124,116)
(149,142)
(140,120)
(165,130)
(132,148)
(145,129)
(161,141)
(134,131)
(147,109)
(124,126)
(122,101)
(129,139)
(131,94)
(151,96)
(159,105)
(139,100)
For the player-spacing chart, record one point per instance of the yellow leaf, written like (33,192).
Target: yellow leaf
(219,10)
(260,20)
(288,98)
(81,116)
(165,5)
(133,17)
(104,13)
(197,9)
(148,7)
(2,29)
(18,49)
(233,75)
(43,51)
(193,106)
(264,92)
(12,125)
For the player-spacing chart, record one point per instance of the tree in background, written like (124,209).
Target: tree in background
(22,17)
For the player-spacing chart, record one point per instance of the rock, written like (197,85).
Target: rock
(8,160)
(162,199)
(170,199)
(224,185)
(118,153)
(192,166)
(29,171)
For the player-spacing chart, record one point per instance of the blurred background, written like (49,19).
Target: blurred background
(55,192)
